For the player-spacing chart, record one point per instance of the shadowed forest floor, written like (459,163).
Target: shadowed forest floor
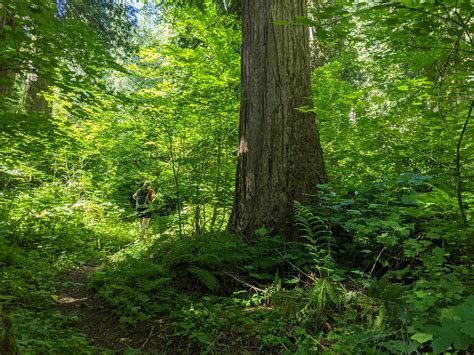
(97,322)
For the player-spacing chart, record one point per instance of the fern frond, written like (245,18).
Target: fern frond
(313,227)
(206,277)
(322,293)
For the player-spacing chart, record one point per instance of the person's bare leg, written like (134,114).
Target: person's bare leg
(145,222)
(140,228)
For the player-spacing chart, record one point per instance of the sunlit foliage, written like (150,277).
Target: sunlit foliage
(96,97)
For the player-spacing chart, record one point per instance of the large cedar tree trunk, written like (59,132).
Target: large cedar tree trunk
(279,155)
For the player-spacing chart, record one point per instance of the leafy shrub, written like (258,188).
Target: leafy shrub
(48,333)
(408,233)
(454,331)
(188,280)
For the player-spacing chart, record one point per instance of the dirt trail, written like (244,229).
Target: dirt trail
(99,324)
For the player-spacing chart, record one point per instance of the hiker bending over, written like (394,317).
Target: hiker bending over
(143,200)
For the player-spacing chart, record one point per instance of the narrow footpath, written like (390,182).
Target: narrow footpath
(96,321)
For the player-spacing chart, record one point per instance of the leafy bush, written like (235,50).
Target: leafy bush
(49,333)
(408,233)
(454,331)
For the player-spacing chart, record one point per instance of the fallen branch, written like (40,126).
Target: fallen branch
(244,282)
(297,268)
(376,260)
(148,337)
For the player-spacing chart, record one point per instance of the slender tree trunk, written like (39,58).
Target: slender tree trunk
(459,187)
(7,75)
(176,179)
(7,81)
(217,185)
(34,84)
(34,100)
(198,204)
(279,155)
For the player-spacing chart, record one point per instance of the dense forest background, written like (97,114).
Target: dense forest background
(98,96)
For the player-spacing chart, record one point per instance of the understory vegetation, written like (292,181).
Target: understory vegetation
(384,259)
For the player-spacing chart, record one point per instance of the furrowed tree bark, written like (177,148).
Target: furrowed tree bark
(279,154)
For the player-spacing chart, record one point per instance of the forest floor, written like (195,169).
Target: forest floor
(95,319)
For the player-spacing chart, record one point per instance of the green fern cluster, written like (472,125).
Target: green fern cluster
(313,228)
(318,236)
(321,290)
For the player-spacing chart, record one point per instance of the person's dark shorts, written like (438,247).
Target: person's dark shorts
(142,214)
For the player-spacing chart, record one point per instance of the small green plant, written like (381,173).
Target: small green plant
(49,333)
(454,330)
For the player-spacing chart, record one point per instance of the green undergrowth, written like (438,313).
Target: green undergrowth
(383,268)
(29,293)
(217,292)
(222,294)
(378,270)
(44,236)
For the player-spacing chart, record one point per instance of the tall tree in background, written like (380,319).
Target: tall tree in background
(7,76)
(39,51)
(279,154)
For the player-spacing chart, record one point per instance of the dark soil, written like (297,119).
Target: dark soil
(102,328)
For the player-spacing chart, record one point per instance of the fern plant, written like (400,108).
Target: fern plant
(206,277)
(317,233)
(313,228)
(320,242)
